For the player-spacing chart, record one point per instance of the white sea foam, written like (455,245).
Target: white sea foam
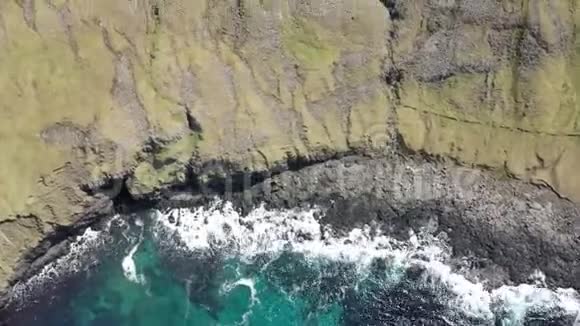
(245,282)
(128,263)
(129,267)
(72,262)
(263,231)
(272,231)
(250,284)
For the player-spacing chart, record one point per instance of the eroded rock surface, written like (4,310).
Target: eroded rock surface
(492,83)
(502,229)
(106,97)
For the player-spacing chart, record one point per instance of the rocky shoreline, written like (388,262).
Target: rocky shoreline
(125,109)
(502,229)
(509,228)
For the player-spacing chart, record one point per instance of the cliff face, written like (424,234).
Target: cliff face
(96,93)
(493,83)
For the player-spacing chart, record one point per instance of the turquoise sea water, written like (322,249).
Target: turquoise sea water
(272,269)
(235,293)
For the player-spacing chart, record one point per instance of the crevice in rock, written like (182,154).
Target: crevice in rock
(65,18)
(156,13)
(28,13)
(125,203)
(219,178)
(192,122)
(520,34)
(109,187)
(393,77)
(153,30)
(393,74)
(239,21)
(393,8)
(514,129)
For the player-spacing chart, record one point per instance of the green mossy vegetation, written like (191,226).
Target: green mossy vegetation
(316,50)
(167,167)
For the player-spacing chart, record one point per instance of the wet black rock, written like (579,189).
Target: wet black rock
(512,228)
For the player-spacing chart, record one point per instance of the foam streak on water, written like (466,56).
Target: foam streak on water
(72,262)
(129,268)
(128,264)
(250,285)
(221,228)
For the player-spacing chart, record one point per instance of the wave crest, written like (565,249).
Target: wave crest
(220,228)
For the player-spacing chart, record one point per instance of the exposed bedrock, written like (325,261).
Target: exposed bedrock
(506,229)
(110,102)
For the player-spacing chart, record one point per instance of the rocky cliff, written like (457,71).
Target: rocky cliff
(101,97)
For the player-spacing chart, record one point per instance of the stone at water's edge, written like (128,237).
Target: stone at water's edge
(134,92)
(270,266)
(490,221)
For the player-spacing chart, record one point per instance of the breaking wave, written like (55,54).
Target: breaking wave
(221,230)
(214,266)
